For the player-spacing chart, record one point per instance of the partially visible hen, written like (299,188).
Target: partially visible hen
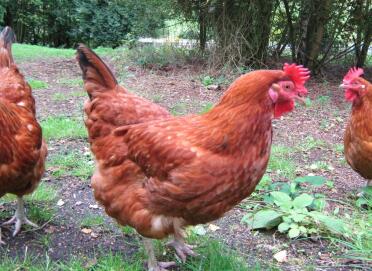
(358,133)
(22,150)
(159,173)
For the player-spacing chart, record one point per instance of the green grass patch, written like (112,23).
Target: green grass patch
(206,108)
(310,143)
(178,109)
(214,256)
(59,97)
(43,193)
(73,163)
(280,162)
(63,127)
(71,82)
(37,84)
(26,52)
(217,257)
(92,221)
(79,94)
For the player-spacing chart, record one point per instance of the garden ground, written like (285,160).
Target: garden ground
(75,233)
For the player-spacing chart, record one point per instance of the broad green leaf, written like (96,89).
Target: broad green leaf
(298,217)
(319,204)
(314,180)
(303,229)
(367,191)
(302,201)
(283,227)
(333,224)
(263,219)
(293,233)
(282,199)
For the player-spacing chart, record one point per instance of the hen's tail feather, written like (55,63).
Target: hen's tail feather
(7,38)
(97,76)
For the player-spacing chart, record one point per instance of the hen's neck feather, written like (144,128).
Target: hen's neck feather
(360,114)
(244,113)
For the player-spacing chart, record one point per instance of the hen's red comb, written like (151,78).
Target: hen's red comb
(298,74)
(352,74)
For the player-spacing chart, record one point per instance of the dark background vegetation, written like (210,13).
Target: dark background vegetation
(233,32)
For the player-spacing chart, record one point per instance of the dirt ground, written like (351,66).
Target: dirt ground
(180,90)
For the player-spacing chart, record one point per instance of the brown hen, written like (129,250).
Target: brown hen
(159,173)
(358,133)
(22,150)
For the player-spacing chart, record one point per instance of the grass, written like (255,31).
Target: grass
(206,108)
(214,257)
(73,163)
(27,52)
(357,241)
(71,82)
(63,127)
(59,97)
(90,221)
(178,109)
(310,143)
(37,84)
(280,163)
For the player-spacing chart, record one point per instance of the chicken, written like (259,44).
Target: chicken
(158,173)
(358,133)
(22,150)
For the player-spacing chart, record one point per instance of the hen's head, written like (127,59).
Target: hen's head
(291,87)
(354,85)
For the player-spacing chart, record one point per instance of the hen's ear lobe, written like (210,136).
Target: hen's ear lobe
(274,92)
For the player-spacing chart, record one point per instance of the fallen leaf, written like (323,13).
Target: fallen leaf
(60,202)
(51,229)
(78,203)
(86,230)
(213,227)
(94,235)
(281,256)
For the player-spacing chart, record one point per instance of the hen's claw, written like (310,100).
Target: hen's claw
(161,266)
(182,249)
(19,218)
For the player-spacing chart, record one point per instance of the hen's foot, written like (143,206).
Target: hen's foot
(182,249)
(161,266)
(19,218)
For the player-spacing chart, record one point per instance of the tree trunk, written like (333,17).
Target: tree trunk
(363,20)
(202,28)
(314,17)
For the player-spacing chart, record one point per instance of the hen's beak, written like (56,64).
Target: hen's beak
(343,86)
(300,99)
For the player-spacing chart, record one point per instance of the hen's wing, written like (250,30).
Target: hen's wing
(358,149)
(187,178)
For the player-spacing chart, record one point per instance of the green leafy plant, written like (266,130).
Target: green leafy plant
(207,80)
(293,211)
(365,199)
